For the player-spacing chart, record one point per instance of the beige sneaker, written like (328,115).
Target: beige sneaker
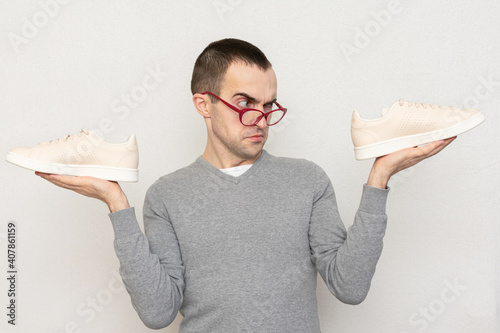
(408,124)
(82,154)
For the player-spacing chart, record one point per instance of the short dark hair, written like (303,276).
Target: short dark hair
(212,64)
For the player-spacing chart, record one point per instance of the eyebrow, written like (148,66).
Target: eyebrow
(252,99)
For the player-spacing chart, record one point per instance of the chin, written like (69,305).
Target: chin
(252,152)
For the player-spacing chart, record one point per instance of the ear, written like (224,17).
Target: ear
(202,104)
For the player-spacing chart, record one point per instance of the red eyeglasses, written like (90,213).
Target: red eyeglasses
(250,117)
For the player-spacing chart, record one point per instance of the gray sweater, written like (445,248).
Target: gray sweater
(241,254)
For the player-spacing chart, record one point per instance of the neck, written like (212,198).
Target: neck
(224,160)
(223,156)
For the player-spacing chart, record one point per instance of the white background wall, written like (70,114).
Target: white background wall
(66,66)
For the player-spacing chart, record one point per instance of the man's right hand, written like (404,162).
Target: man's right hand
(107,191)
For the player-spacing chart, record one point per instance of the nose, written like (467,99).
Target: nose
(262,123)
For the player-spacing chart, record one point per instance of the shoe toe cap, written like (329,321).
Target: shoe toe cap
(471,112)
(468,113)
(22,151)
(457,116)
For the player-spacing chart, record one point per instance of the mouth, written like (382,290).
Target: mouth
(256,138)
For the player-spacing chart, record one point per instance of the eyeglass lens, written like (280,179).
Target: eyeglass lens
(252,117)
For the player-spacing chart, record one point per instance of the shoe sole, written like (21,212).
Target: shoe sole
(390,146)
(98,171)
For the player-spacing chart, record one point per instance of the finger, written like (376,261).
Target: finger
(437,146)
(432,148)
(63,179)
(450,140)
(60,184)
(68,182)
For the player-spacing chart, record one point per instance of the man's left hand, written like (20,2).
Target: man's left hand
(386,166)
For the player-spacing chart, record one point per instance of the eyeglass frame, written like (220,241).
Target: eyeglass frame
(242,111)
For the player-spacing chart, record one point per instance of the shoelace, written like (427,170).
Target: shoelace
(401,102)
(68,136)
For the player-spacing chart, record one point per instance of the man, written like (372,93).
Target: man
(234,241)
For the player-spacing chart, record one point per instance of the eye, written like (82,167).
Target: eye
(244,103)
(268,107)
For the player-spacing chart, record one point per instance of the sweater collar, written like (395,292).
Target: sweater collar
(230,178)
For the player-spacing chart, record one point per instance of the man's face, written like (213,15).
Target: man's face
(245,87)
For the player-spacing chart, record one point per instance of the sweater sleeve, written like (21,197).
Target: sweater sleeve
(346,260)
(150,265)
